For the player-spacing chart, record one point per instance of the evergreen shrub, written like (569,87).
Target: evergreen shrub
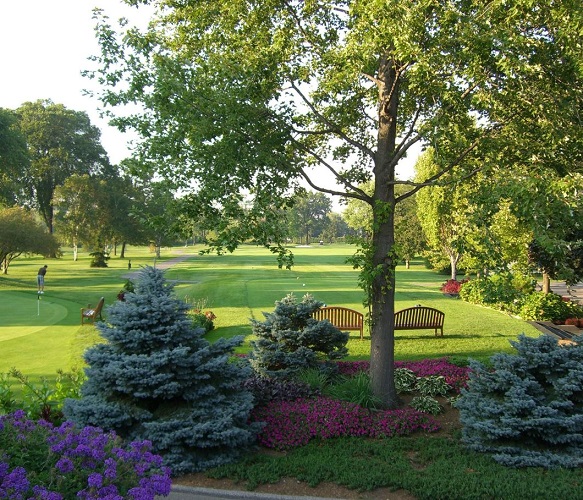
(156,378)
(265,390)
(290,340)
(527,410)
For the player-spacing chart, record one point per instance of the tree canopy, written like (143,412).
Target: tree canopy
(60,143)
(22,232)
(246,98)
(13,157)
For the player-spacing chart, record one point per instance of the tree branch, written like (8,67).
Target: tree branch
(334,128)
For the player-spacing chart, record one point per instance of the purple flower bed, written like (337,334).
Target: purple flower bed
(289,424)
(38,460)
(455,376)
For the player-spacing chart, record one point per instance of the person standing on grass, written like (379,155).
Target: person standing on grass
(40,279)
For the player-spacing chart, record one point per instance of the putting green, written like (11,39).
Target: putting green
(29,314)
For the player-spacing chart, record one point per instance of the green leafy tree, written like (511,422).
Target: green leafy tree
(335,228)
(242,99)
(308,215)
(60,142)
(13,158)
(76,210)
(22,232)
(157,378)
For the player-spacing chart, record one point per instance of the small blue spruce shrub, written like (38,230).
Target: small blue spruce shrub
(528,410)
(290,340)
(156,378)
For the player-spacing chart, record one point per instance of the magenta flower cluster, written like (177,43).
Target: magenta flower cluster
(40,461)
(455,376)
(289,424)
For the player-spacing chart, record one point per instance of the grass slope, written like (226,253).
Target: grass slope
(40,336)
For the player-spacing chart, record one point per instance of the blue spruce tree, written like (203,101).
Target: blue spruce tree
(528,410)
(290,340)
(156,378)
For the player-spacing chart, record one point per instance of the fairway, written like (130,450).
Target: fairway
(41,336)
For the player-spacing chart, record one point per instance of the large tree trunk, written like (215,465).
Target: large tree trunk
(382,351)
(122,253)
(546,283)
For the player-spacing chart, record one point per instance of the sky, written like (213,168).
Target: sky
(44,47)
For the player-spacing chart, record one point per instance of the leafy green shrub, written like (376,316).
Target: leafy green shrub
(40,400)
(502,291)
(290,340)
(204,320)
(540,306)
(405,379)
(528,410)
(426,404)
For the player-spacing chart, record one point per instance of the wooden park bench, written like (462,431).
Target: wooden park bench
(419,318)
(90,314)
(342,318)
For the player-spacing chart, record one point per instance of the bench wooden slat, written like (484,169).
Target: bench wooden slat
(342,318)
(419,318)
(90,314)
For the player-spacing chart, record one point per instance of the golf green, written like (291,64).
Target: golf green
(28,314)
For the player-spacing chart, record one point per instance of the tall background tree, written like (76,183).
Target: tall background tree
(60,143)
(309,214)
(21,231)
(13,158)
(245,98)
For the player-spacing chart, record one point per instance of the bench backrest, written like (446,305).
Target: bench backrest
(342,318)
(418,317)
(99,306)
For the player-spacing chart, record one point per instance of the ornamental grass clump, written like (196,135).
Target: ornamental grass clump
(289,424)
(42,461)
(528,410)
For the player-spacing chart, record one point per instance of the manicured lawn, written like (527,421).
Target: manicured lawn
(40,336)
(243,285)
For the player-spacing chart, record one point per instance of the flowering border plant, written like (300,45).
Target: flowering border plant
(41,461)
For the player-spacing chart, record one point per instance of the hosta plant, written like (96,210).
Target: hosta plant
(426,404)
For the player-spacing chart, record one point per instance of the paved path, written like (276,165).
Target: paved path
(575,292)
(190,493)
(165,264)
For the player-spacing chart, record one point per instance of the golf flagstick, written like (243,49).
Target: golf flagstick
(38,305)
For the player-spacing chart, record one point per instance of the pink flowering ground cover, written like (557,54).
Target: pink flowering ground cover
(455,376)
(289,424)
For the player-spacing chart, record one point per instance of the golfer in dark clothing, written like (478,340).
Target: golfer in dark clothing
(40,279)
